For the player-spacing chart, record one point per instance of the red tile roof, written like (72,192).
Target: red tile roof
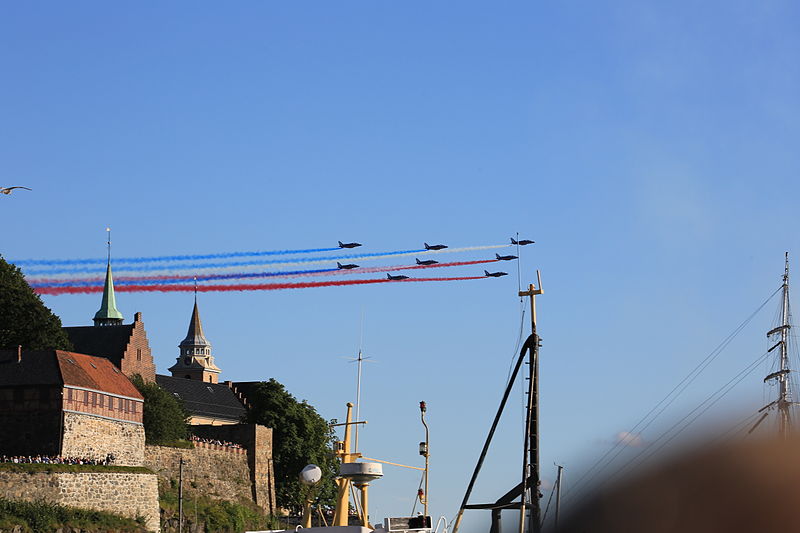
(55,367)
(96,373)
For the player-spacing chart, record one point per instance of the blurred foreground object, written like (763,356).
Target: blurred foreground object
(747,486)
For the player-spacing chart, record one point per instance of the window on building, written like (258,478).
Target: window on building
(86,397)
(69,395)
(94,399)
(138,354)
(111,402)
(102,400)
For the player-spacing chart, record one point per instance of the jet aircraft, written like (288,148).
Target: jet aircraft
(435,246)
(345,267)
(349,244)
(396,278)
(494,274)
(428,262)
(505,257)
(521,242)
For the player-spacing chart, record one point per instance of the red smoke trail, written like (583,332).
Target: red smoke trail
(238,287)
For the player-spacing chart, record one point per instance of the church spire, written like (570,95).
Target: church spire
(195,337)
(108,315)
(195,360)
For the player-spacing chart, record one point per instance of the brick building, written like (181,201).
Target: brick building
(62,403)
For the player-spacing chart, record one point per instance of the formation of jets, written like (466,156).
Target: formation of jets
(428,262)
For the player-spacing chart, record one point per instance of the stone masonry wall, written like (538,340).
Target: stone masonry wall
(258,442)
(130,495)
(218,472)
(138,359)
(94,438)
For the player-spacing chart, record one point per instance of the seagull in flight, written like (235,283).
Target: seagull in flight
(7,190)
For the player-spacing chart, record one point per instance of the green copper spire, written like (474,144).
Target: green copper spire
(108,315)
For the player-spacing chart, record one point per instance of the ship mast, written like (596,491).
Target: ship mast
(784,398)
(784,401)
(528,488)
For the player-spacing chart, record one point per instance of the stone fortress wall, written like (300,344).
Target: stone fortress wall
(258,442)
(218,474)
(126,494)
(222,472)
(94,438)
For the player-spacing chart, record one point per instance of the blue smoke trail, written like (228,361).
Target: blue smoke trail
(164,258)
(201,266)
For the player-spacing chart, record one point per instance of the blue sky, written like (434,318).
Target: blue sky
(650,149)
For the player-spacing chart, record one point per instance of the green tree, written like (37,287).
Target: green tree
(24,319)
(164,416)
(300,436)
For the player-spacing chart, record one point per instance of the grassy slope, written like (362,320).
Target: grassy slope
(46,517)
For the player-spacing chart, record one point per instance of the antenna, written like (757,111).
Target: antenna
(359,360)
(519,271)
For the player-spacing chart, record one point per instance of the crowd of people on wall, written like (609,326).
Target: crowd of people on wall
(195,438)
(56,460)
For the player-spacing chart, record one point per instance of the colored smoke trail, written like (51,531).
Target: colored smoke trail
(219,268)
(166,258)
(241,287)
(161,280)
(228,265)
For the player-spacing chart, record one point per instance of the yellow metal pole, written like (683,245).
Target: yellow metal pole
(363,487)
(307,511)
(340,518)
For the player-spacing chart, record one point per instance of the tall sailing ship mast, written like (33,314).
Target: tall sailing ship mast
(526,490)
(783,403)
